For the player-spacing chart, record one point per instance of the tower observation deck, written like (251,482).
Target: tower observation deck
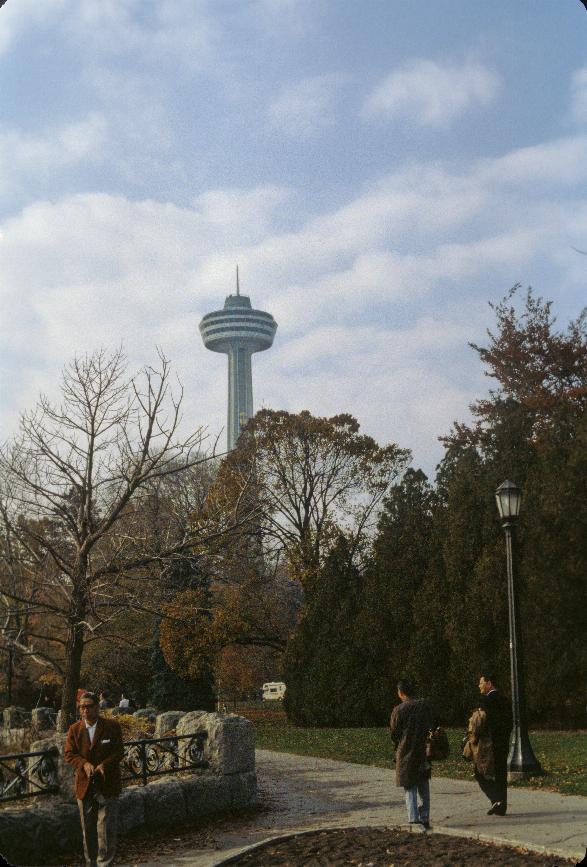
(237,330)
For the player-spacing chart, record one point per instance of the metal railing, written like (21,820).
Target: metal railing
(150,757)
(28,775)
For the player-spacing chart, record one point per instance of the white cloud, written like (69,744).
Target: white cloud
(164,31)
(348,287)
(306,107)
(283,19)
(55,148)
(241,216)
(561,161)
(386,377)
(579,96)
(27,157)
(432,94)
(23,15)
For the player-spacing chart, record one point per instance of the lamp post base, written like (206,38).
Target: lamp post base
(523,775)
(522,763)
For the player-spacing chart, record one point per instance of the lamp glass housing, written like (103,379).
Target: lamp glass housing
(508,498)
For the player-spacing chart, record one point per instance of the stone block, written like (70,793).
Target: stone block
(42,718)
(167,721)
(145,713)
(243,789)
(20,833)
(15,717)
(164,802)
(15,740)
(231,744)
(131,809)
(191,722)
(65,772)
(60,829)
(205,793)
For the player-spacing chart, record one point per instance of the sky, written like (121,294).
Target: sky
(379,170)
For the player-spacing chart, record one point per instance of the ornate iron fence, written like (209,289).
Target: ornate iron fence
(26,775)
(153,756)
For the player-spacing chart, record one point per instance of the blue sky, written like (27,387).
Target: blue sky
(380,170)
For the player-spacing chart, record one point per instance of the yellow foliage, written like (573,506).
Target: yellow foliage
(133,728)
(186,636)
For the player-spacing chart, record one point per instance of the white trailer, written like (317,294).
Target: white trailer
(273,691)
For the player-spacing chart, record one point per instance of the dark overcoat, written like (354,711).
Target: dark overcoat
(107,749)
(410,724)
(499,721)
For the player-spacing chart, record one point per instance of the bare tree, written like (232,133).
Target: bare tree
(77,484)
(307,479)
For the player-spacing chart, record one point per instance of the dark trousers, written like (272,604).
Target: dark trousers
(496,790)
(99,827)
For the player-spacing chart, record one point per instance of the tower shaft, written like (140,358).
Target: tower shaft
(240,392)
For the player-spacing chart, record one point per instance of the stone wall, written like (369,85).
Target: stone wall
(19,727)
(51,827)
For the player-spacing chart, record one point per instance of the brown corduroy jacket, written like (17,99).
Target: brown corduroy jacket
(106,749)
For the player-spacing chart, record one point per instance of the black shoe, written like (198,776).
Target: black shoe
(425,825)
(497,809)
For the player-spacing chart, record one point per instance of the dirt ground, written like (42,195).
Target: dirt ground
(346,847)
(163,843)
(376,847)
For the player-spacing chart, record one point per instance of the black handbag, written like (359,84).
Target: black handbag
(437,745)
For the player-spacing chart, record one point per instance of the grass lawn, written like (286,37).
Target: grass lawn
(563,755)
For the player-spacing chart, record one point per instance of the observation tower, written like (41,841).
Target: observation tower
(238,331)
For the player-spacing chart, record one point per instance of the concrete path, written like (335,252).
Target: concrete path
(305,793)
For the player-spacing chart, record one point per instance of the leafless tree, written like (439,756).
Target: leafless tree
(82,540)
(310,478)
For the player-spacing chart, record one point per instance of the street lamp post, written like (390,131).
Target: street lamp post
(521,760)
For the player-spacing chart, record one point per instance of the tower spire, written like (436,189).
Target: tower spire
(238,290)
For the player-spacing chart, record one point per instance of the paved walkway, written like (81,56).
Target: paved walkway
(305,793)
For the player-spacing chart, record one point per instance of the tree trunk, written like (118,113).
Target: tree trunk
(71,677)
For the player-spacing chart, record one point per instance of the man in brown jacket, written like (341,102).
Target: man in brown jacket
(94,747)
(410,724)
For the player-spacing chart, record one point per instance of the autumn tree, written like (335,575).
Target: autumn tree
(257,612)
(293,485)
(540,372)
(241,671)
(76,482)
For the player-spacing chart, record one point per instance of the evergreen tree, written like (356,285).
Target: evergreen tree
(169,691)
(325,673)
(553,563)
(531,428)
(393,587)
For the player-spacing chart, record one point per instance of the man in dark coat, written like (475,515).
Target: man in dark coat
(499,723)
(94,747)
(410,724)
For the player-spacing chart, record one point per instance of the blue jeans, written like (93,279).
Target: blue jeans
(421,813)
